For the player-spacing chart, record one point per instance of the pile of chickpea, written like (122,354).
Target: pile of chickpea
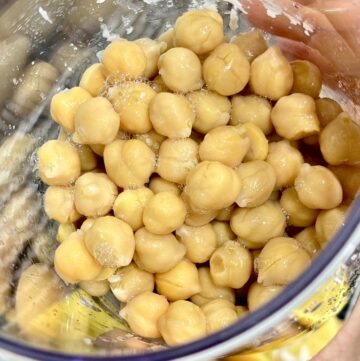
(178,168)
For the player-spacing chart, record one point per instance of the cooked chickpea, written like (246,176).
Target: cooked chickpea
(251,109)
(225,213)
(258,179)
(110,241)
(199,30)
(307,239)
(73,262)
(223,232)
(64,231)
(286,160)
(94,78)
(307,78)
(259,147)
(200,242)
(252,43)
(105,274)
(327,110)
(271,75)
(87,224)
(88,160)
(349,178)
(59,204)
(130,281)
(180,68)
(158,85)
(95,288)
(129,163)
(94,194)
(317,187)
(167,38)
(176,158)
(182,322)
(225,144)
(98,149)
(241,311)
(65,104)
(124,58)
(157,253)
(226,70)
(59,163)
(152,50)
(297,214)
(163,213)
(158,184)
(143,312)
(152,139)
(259,224)
(211,110)
(281,261)
(259,295)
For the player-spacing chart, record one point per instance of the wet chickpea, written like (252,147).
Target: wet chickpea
(307,239)
(259,147)
(158,85)
(105,274)
(225,213)
(94,194)
(241,311)
(88,160)
(98,149)
(157,253)
(59,163)
(143,312)
(226,70)
(94,78)
(327,110)
(152,50)
(318,188)
(349,178)
(307,78)
(252,43)
(87,224)
(152,139)
(95,288)
(64,231)
(167,38)
(223,232)
(158,184)
(259,295)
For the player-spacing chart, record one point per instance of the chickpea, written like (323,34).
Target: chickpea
(65,104)
(110,241)
(167,37)
(180,69)
(158,184)
(124,58)
(340,141)
(307,239)
(223,232)
(252,43)
(158,85)
(152,50)
(105,274)
(241,311)
(73,262)
(96,122)
(297,214)
(59,204)
(259,295)
(176,158)
(200,242)
(271,75)
(327,110)
(251,109)
(183,322)
(143,313)
(199,30)
(130,281)
(164,213)
(307,78)
(258,179)
(349,178)
(212,185)
(95,288)
(98,149)
(225,213)
(88,160)
(94,78)
(157,253)
(231,265)
(258,224)
(210,291)
(171,115)
(259,148)
(317,187)
(64,231)
(226,70)
(87,224)
(152,139)
(286,160)
(225,144)
(129,163)
(211,110)
(281,261)
(94,194)
(59,163)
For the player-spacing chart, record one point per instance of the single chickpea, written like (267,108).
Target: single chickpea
(258,179)
(183,322)
(158,184)
(271,75)
(98,149)
(199,30)
(225,144)
(286,160)
(200,242)
(157,253)
(143,313)
(259,147)
(94,78)
(307,239)
(105,274)
(251,109)
(281,261)
(223,232)
(129,163)
(64,231)
(124,58)
(110,241)
(259,295)
(152,50)
(59,163)
(241,311)
(307,78)
(94,194)
(327,110)
(171,115)
(225,213)
(176,158)
(180,68)
(167,38)
(73,262)
(259,224)
(226,70)
(88,160)
(211,110)
(130,281)
(65,104)
(87,224)
(152,139)
(158,85)
(297,214)
(95,288)
(212,185)
(164,213)
(318,188)
(349,178)
(129,206)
